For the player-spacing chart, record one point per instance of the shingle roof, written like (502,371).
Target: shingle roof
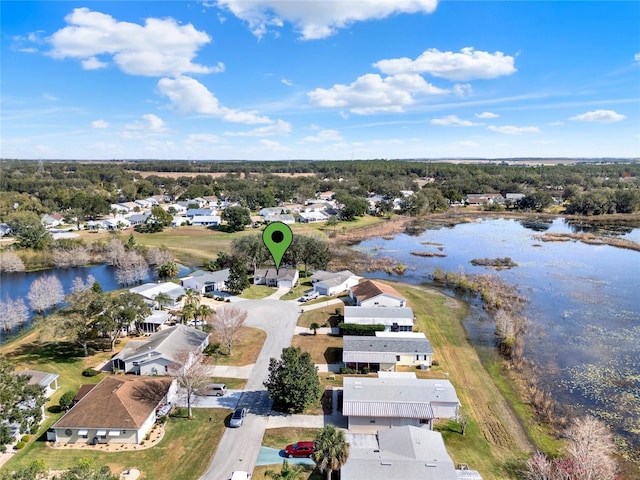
(165,343)
(370,288)
(204,276)
(117,402)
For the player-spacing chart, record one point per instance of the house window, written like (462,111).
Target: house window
(425,357)
(124,432)
(397,358)
(424,421)
(417,357)
(373,420)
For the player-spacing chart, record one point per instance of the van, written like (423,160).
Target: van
(239,475)
(214,390)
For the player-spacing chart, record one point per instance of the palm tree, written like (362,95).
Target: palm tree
(202,312)
(162,299)
(192,298)
(332,450)
(314,326)
(286,472)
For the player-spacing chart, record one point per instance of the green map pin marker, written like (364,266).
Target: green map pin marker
(277,237)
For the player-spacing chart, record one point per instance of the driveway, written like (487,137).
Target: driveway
(273,456)
(239,447)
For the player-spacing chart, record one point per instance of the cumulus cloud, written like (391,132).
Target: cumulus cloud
(636,57)
(487,115)
(151,124)
(189,95)
(462,89)
(511,130)
(159,47)
(278,128)
(315,20)
(599,116)
(453,121)
(324,136)
(101,124)
(468,64)
(372,93)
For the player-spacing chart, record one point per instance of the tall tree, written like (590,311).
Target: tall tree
(191,373)
(332,450)
(12,313)
(237,280)
(11,262)
(168,270)
(293,381)
(236,218)
(227,323)
(120,313)
(45,292)
(28,231)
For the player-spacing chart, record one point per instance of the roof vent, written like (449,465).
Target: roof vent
(386,463)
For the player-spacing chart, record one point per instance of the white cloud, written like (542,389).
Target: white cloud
(469,64)
(324,136)
(453,121)
(318,19)
(155,122)
(189,95)
(636,57)
(373,94)
(462,89)
(487,115)
(159,47)
(99,124)
(279,128)
(92,63)
(288,83)
(511,130)
(140,130)
(600,116)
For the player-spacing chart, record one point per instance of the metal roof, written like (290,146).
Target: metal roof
(368,357)
(388,409)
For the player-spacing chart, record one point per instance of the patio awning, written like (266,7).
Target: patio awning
(114,433)
(83,432)
(101,433)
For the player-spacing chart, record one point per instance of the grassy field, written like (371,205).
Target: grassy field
(323,348)
(246,349)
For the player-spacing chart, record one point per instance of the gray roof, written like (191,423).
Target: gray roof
(281,274)
(409,453)
(395,397)
(165,343)
(157,317)
(388,344)
(368,357)
(322,275)
(206,277)
(44,379)
(373,315)
(150,290)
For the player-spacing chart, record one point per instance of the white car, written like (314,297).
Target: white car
(309,295)
(239,475)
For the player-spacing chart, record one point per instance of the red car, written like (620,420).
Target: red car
(300,449)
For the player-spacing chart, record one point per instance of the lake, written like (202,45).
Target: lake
(584,305)
(17,285)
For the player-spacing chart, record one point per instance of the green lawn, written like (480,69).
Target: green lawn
(185,451)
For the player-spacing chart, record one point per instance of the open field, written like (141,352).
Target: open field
(245,350)
(323,348)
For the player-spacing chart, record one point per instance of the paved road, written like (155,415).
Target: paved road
(239,447)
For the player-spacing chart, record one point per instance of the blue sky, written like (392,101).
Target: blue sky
(330,79)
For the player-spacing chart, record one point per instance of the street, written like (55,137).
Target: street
(239,447)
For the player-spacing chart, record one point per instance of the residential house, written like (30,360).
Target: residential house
(394,319)
(176,208)
(119,209)
(328,195)
(282,278)
(52,221)
(313,217)
(47,380)
(206,220)
(514,197)
(405,452)
(178,221)
(372,404)
(114,223)
(143,204)
(203,281)
(484,198)
(386,351)
(277,214)
(200,212)
(154,322)
(198,202)
(332,283)
(118,410)
(131,206)
(371,293)
(138,218)
(155,354)
(149,291)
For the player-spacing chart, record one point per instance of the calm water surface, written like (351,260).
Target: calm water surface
(584,305)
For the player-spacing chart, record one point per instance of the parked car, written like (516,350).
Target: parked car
(238,417)
(213,390)
(239,475)
(300,449)
(309,295)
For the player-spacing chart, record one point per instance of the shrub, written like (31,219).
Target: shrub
(347,371)
(90,372)
(66,400)
(360,330)
(435,363)
(20,445)
(25,438)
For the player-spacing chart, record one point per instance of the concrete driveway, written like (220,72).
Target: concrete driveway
(239,447)
(273,456)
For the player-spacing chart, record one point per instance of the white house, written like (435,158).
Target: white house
(119,409)
(372,403)
(155,321)
(149,291)
(155,354)
(376,294)
(206,220)
(200,212)
(407,453)
(386,351)
(282,278)
(176,208)
(332,283)
(313,217)
(394,319)
(47,380)
(203,281)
